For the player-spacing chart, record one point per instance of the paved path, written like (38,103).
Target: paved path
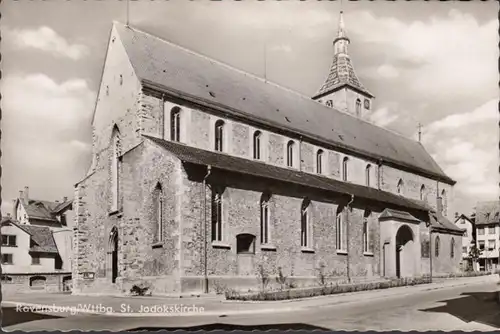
(459,304)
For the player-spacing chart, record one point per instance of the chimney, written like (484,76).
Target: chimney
(439,204)
(26,193)
(456,215)
(21,196)
(8,215)
(65,198)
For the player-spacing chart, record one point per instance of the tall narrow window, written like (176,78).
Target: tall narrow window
(219,135)
(358,107)
(366,229)
(264,218)
(158,210)
(115,153)
(339,228)
(422,193)
(256,145)
(289,153)
(175,124)
(319,162)
(217,214)
(368,171)
(436,248)
(400,187)
(445,202)
(345,164)
(452,250)
(305,223)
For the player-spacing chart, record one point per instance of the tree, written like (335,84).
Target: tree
(474,254)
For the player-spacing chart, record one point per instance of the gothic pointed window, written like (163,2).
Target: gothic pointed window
(358,107)
(264,218)
(422,193)
(175,124)
(345,166)
(219,135)
(217,219)
(319,161)
(305,224)
(366,229)
(452,249)
(368,171)
(115,153)
(339,228)
(436,246)
(289,153)
(257,145)
(158,208)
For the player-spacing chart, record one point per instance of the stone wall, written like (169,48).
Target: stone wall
(20,283)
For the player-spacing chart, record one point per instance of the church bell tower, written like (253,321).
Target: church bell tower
(342,89)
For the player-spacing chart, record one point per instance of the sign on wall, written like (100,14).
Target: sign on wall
(88,275)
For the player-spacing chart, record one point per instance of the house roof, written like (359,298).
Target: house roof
(40,235)
(464,217)
(45,210)
(174,70)
(256,168)
(440,222)
(488,213)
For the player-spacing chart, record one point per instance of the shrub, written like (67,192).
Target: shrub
(263,277)
(281,279)
(219,287)
(322,275)
(139,290)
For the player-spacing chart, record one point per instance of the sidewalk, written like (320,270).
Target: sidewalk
(207,305)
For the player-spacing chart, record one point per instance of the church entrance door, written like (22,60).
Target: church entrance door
(404,252)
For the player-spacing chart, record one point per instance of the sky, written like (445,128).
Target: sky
(434,63)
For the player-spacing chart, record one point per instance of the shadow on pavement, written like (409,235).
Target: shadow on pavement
(231,327)
(481,307)
(11,317)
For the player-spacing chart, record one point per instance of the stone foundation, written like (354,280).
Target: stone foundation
(39,282)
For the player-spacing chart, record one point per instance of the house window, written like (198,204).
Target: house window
(245,243)
(305,227)
(158,212)
(219,135)
(9,240)
(115,169)
(289,153)
(466,234)
(358,107)
(452,249)
(481,244)
(319,162)
(7,259)
(422,193)
(264,218)
(37,282)
(35,259)
(491,244)
(491,230)
(480,231)
(345,162)
(400,187)
(217,218)
(175,124)
(367,175)
(339,228)
(436,248)
(256,145)
(6,279)
(464,249)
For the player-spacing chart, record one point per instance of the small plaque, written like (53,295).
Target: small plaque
(88,275)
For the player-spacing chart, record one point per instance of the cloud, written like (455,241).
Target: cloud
(383,117)
(388,71)
(281,48)
(47,40)
(45,133)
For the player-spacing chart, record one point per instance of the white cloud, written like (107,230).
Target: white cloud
(383,117)
(388,71)
(45,39)
(281,48)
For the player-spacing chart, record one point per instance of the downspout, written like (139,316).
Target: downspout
(205,255)
(347,236)
(430,248)
(163,116)
(379,173)
(300,153)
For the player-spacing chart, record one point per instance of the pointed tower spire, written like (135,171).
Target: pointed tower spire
(342,77)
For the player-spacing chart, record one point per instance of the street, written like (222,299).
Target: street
(465,307)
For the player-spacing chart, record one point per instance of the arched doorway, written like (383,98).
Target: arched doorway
(404,252)
(113,250)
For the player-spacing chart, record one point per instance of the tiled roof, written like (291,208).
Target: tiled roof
(251,167)
(196,78)
(40,235)
(440,222)
(45,210)
(488,213)
(396,214)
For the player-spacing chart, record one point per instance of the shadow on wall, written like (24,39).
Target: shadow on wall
(480,307)
(231,327)
(11,317)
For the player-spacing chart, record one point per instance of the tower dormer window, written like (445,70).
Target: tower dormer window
(358,107)
(367,104)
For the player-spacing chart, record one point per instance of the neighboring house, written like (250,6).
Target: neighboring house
(488,233)
(468,239)
(201,173)
(36,245)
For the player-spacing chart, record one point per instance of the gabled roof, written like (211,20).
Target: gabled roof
(488,213)
(251,167)
(179,72)
(40,235)
(396,214)
(441,223)
(464,217)
(44,210)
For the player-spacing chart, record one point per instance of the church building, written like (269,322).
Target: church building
(204,175)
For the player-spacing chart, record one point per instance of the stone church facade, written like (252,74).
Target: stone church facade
(203,174)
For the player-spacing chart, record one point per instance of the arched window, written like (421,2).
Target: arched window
(445,203)
(264,218)
(358,107)
(345,163)
(367,175)
(400,187)
(158,212)
(289,153)
(256,145)
(452,250)
(319,161)
(217,219)
(422,193)
(305,227)
(175,124)
(339,227)
(436,247)
(115,153)
(366,229)
(219,135)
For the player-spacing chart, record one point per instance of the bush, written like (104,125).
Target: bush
(263,277)
(139,290)
(281,279)
(219,288)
